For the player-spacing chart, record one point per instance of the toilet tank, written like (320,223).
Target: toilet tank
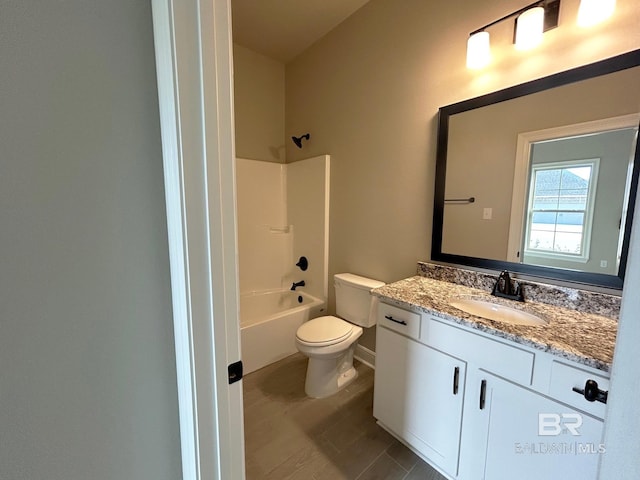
(353,298)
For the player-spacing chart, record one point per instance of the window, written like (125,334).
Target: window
(560,213)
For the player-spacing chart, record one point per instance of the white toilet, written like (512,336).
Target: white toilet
(329,341)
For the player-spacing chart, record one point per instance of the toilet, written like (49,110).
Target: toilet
(329,341)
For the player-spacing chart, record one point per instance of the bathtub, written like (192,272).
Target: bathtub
(268,324)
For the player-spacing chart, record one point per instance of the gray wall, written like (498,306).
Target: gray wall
(258,84)
(88,381)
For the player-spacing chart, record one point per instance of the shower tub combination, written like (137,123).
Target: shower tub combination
(268,324)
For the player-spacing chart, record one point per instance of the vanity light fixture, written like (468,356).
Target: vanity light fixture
(531,21)
(529,28)
(478,50)
(592,12)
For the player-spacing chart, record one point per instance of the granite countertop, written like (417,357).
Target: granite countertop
(581,337)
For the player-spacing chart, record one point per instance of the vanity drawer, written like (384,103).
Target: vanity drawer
(503,360)
(400,320)
(564,378)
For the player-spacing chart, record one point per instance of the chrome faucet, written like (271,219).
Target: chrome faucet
(297,284)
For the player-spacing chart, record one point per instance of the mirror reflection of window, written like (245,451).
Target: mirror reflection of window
(560,209)
(574,199)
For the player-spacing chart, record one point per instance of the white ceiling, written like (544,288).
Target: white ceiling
(282,29)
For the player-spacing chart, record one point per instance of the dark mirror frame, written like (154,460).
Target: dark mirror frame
(604,67)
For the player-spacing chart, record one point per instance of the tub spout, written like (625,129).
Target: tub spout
(297,284)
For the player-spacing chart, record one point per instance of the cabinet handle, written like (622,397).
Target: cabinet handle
(456,374)
(389,317)
(592,393)
(483,393)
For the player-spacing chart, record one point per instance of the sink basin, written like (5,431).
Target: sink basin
(496,311)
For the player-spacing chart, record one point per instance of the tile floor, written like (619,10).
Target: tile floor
(290,436)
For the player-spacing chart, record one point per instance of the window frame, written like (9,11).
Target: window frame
(584,256)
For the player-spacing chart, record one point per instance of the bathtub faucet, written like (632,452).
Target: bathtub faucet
(297,284)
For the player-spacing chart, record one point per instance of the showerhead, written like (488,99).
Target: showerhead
(298,140)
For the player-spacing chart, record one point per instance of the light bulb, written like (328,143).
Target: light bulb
(592,12)
(478,50)
(529,28)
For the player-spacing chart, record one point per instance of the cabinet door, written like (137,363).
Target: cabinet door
(525,435)
(415,396)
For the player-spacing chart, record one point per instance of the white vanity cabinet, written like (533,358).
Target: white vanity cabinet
(514,413)
(419,391)
(513,432)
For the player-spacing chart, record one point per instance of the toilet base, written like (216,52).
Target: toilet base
(327,376)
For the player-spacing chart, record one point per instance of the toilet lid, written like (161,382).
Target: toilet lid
(324,331)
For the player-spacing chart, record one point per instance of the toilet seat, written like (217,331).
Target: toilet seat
(324,331)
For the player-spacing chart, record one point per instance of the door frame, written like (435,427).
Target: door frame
(193,50)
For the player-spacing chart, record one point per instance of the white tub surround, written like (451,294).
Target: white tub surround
(283,215)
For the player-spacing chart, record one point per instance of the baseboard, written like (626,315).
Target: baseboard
(366,356)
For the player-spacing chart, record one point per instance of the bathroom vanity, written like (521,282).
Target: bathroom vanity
(482,399)
(489,399)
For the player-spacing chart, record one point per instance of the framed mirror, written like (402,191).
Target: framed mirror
(541,178)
